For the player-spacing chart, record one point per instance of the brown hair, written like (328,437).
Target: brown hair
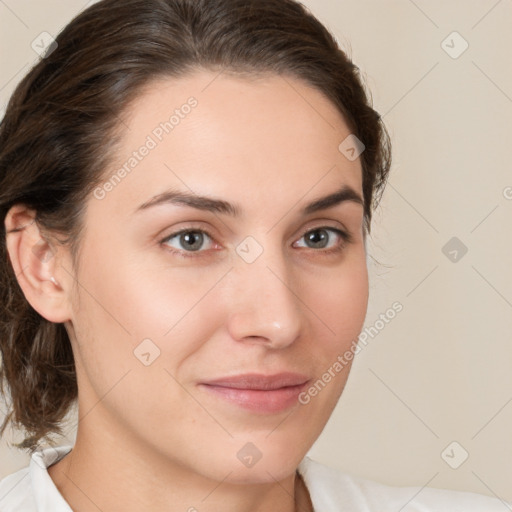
(62,123)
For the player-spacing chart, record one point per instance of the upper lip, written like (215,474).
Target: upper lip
(259,381)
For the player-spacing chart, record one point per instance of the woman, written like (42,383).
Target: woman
(186,190)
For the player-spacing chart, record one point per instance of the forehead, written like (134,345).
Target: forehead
(261,137)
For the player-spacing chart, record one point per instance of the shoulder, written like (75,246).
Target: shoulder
(330,488)
(16,492)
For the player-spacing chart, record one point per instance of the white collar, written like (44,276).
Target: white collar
(46,494)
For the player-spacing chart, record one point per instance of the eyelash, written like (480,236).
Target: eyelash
(346,239)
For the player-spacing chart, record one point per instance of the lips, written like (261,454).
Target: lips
(257,392)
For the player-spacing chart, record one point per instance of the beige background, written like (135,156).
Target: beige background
(440,370)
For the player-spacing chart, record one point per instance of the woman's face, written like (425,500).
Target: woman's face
(270,290)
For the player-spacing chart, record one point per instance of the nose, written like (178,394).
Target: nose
(264,305)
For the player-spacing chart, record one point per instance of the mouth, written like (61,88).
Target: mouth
(267,394)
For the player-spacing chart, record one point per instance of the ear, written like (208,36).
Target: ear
(37,265)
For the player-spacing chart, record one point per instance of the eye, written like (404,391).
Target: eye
(319,238)
(190,240)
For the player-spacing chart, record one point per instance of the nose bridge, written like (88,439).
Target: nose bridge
(264,303)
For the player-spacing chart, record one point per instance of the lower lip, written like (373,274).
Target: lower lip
(263,401)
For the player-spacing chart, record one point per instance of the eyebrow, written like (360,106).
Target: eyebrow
(215,205)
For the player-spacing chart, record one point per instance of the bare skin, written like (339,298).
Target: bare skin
(152,436)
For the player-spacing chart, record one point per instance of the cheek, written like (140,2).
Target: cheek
(126,301)
(340,300)
(126,317)
(341,303)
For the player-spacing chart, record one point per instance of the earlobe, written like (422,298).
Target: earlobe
(35,264)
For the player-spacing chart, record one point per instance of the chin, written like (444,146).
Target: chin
(250,464)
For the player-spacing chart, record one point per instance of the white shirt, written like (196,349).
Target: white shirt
(31,489)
